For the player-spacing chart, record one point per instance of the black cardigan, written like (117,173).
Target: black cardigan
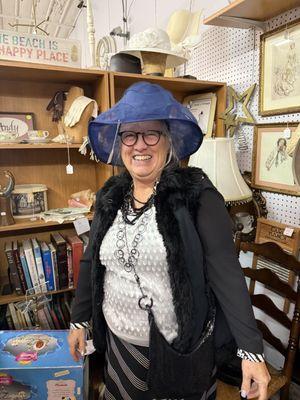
(197,234)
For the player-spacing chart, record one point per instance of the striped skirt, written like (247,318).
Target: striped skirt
(126,373)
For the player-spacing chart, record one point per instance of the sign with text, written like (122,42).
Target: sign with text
(39,49)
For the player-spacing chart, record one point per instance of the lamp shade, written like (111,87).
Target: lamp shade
(217,158)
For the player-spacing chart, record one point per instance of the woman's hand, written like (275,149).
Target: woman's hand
(258,372)
(76,340)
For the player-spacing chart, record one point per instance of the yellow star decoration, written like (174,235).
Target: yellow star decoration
(231,120)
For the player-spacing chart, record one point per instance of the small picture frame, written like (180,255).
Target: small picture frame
(15,124)
(273,163)
(203,107)
(279,70)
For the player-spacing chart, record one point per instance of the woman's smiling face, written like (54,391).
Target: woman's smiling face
(142,161)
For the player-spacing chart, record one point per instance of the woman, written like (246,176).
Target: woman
(160,238)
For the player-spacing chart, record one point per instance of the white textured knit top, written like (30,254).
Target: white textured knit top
(121,292)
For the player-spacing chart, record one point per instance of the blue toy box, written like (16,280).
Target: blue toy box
(36,365)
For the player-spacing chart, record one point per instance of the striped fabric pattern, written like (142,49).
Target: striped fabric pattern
(246,355)
(126,373)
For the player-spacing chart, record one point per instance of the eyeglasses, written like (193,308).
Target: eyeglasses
(150,137)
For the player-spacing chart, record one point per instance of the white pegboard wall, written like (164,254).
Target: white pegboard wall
(232,55)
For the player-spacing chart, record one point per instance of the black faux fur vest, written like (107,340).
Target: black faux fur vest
(176,202)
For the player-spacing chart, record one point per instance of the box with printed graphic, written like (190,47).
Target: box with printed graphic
(36,365)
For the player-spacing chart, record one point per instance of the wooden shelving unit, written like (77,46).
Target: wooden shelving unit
(255,10)
(26,87)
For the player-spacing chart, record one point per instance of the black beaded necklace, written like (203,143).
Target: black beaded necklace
(128,209)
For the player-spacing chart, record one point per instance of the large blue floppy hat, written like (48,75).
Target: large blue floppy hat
(144,101)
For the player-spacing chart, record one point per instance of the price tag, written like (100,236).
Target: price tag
(81,225)
(288,231)
(69,169)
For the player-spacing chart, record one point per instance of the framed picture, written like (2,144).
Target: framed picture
(279,70)
(274,154)
(14,125)
(203,107)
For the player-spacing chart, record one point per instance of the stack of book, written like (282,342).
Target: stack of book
(50,315)
(35,267)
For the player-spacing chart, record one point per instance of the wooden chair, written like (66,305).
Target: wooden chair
(280,380)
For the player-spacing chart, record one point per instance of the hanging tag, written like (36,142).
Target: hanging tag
(288,231)
(69,169)
(287,133)
(81,225)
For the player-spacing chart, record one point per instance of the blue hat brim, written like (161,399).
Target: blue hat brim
(186,138)
(144,101)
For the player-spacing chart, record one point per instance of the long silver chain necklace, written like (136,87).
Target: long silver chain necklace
(145,302)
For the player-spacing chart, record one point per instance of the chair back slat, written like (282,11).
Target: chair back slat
(265,304)
(270,338)
(273,252)
(268,278)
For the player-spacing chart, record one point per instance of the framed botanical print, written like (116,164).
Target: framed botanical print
(274,158)
(279,70)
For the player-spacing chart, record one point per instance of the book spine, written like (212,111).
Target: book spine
(48,269)
(20,269)
(77,255)
(62,265)
(70,266)
(39,266)
(15,279)
(25,268)
(54,266)
(32,269)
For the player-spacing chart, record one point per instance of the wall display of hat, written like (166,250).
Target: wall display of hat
(144,101)
(153,47)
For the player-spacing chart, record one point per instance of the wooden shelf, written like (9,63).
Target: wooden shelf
(257,10)
(34,146)
(16,70)
(13,298)
(25,224)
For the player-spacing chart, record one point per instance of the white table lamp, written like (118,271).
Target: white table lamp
(217,158)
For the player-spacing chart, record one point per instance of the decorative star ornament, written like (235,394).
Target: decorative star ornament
(231,120)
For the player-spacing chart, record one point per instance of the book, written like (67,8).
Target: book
(42,319)
(25,267)
(54,317)
(54,265)
(13,313)
(9,319)
(19,266)
(30,259)
(64,310)
(59,314)
(48,266)
(14,275)
(61,256)
(77,252)
(49,317)
(70,266)
(39,264)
